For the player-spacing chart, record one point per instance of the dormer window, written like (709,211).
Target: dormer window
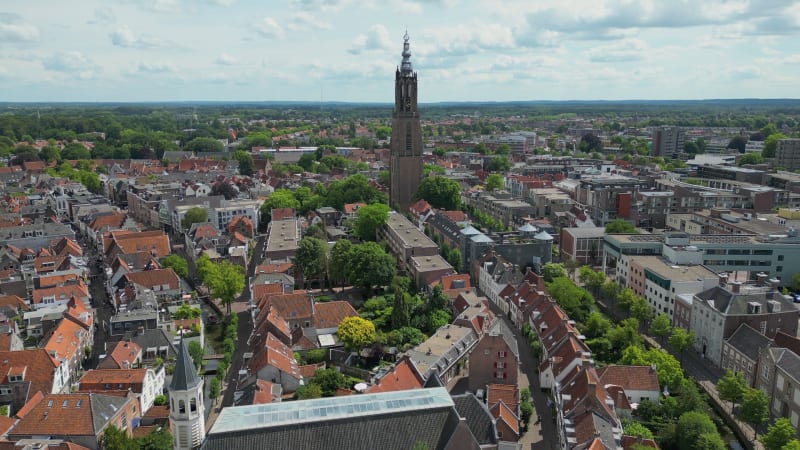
(15,378)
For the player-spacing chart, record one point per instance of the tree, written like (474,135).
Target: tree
(731,388)
(281,198)
(246,164)
(226,282)
(609,289)
(187,312)
(691,425)
(593,279)
(590,143)
(710,441)
(160,400)
(641,310)
(339,261)
(668,368)
(738,143)
(551,271)
(680,340)
(690,147)
(620,226)
(158,439)
(308,391)
(116,439)
(50,153)
(771,144)
(778,435)
(194,215)
(176,263)
(794,444)
(455,259)
(369,219)
(661,327)
(370,266)
(751,158)
(311,258)
(401,309)
(356,333)
(353,189)
(633,428)
(754,408)
(596,325)
(576,302)
(73,150)
(213,388)
(499,163)
(204,144)
(440,192)
(196,352)
(494,182)
(307,161)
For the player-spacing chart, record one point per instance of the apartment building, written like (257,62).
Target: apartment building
(787,154)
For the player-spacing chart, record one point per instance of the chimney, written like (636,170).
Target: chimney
(761,279)
(723,279)
(736,286)
(773,283)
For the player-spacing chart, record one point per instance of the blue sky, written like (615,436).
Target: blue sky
(347,50)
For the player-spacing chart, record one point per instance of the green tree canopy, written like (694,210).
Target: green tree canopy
(551,271)
(370,266)
(620,226)
(246,164)
(73,150)
(680,340)
(499,163)
(204,144)
(226,281)
(194,215)
(369,219)
(754,408)
(356,333)
(311,257)
(738,143)
(440,192)
(340,256)
(778,435)
(691,425)
(176,263)
(731,387)
(770,144)
(494,182)
(661,326)
(751,158)
(281,198)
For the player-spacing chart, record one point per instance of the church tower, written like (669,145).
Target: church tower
(187,417)
(405,171)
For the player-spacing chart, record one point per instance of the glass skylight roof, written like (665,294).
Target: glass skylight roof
(238,418)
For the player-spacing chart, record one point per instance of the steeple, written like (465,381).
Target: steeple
(405,66)
(185,375)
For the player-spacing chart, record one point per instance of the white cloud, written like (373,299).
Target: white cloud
(620,51)
(304,20)
(102,16)
(464,40)
(124,37)
(71,63)
(14,29)
(221,2)
(321,5)
(269,28)
(156,67)
(225,59)
(376,38)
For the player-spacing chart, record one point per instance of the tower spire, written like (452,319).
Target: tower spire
(405,66)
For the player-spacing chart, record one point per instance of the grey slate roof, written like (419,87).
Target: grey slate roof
(789,362)
(748,341)
(185,375)
(501,329)
(479,419)
(154,338)
(103,409)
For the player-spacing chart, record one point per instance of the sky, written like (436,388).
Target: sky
(347,50)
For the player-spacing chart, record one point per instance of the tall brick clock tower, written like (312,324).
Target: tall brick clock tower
(405,172)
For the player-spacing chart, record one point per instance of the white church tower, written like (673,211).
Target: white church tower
(187,412)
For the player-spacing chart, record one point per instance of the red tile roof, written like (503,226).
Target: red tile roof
(274,268)
(152,278)
(276,354)
(123,355)
(282,213)
(502,412)
(401,377)
(13,301)
(66,340)
(40,368)
(263,392)
(351,208)
(116,379)
(631,378)
(507,393)
(331,314)
(50,416)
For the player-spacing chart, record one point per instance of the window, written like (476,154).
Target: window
(193,404)
(182,407)
(486,352)
(501,354)
(5,391)
(499,434)
(500,365)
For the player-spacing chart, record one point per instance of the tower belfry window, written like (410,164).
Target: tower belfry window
(408,139)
